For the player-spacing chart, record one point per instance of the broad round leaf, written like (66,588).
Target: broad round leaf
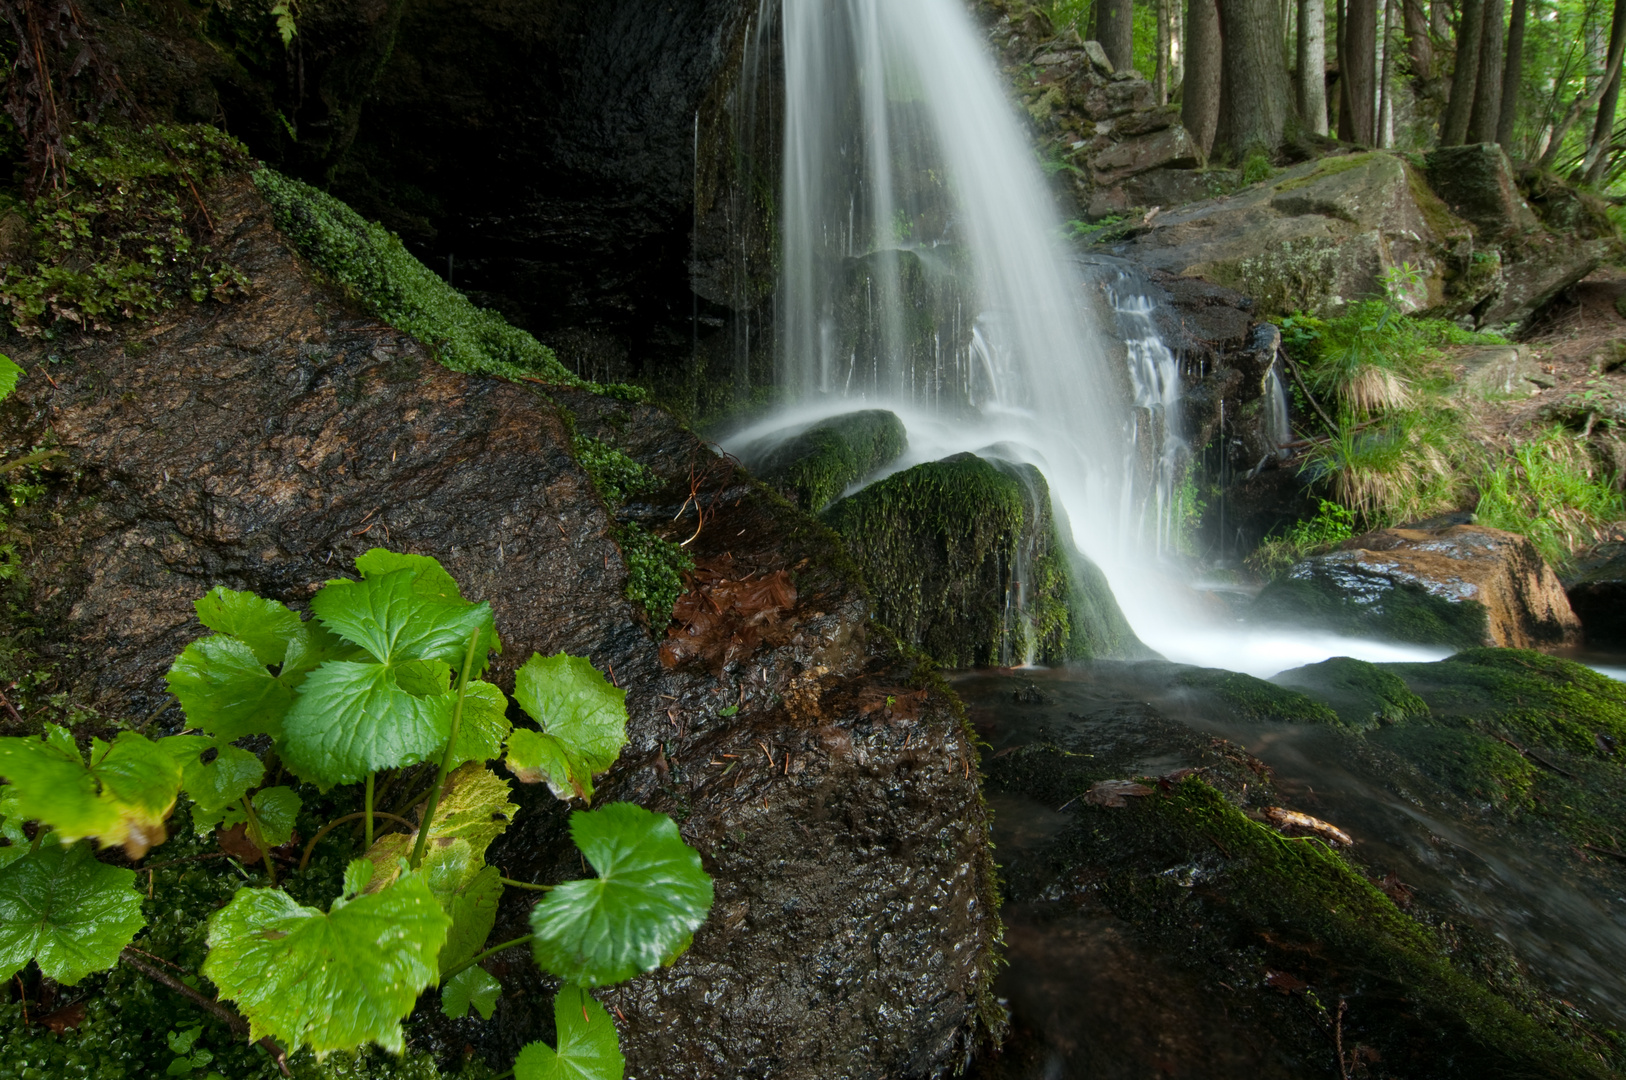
(333,981)
(9,373)
(576,705)
(121,797)
(537,758)
(276,808)
(226,690)
(67,911)
(229,774)
(640,912)
(350,719)
(485,725)
(473,908)
(263,625)
(588,1046)
(471,986)
(392,620)
(474,807)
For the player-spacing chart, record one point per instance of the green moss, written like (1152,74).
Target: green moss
(655,569)
(1256,699)
(1474,765)
(1436,214)
(124,236)
(1318,597)
(814,468)
(614,474)
(1326,167)
(375,269)
(1362,694)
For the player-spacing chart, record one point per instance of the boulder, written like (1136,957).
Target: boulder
(1460,585)
(1477,183)
(1597,592)
(967,563)
(813,467)
(1170,147)
(1501,370)
(265,444)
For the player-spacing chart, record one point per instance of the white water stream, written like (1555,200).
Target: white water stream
(913,208)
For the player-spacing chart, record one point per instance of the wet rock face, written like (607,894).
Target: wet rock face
(1461,585)
(1597,593)
(263,446)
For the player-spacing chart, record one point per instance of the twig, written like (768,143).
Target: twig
(1612,852)
(1293,370)
(1533,756)
(168,700)
(336,822)
(10,708)
(1338,1038)
(231,1019)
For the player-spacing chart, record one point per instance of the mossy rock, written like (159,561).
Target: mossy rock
(815,467)
(1362,694)
(1254,699)
(965,561)
(1398,612)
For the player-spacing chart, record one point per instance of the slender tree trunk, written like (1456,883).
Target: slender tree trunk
(1418,43)
(1386,105)
(1356,71)
(1177,44)
(1488,93)
(1115,29)
(1312,63)
(1200,100)
(1257,95)
(1162,79)
(1603,130)
(1555,141)
(1512,73)
(1465,79)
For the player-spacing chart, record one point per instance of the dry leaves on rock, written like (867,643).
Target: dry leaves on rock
(895,703)
(69,1016)
(1284,983)
(1115,792)
(1292,821)
(723,618)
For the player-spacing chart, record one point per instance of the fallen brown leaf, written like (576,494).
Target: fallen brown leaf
(69,1016)
(1114,792)
(235,842)
(1282,982)
(722,619)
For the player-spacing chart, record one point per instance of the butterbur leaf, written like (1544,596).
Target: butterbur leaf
(471,986)
(9,373)
(122,796)
(66,911)
(588,1046)
(485,725)
(351,719)
(535,758)
(333,981)
(11,827)
(640,912)
(423,678)
(392,620)
(474,807)
(576,705)
(229,774)
(226,690)
(275,809)
(429,578)
(473,908)
(263,625)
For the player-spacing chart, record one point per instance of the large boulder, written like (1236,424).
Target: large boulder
(812,467)
(1596,586)
(1461,585)
(1322,234)
(265,444)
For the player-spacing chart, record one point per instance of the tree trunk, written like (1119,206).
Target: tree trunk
(1115,30)
(1555,141)
(1419,45)
(1512,73)
(1488,94)
(1257,95)
(1162,74)
(1385,116)
(1603,130)
(1356,74)
(1312,61)
(1465,79)
(1200,99)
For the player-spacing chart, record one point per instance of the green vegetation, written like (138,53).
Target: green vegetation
(125,235)
(615,474)
(655,569)
(815,467)
(1550,489)
(1255,699)
(383,680)
(1331,526)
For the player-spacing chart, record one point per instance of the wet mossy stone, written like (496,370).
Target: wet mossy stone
(944,546)
(813,468)
(1254,699)
(1363,695)
(1391,611)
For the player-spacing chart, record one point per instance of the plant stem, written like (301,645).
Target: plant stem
(494,950)
(367,808)
(39,838)
(259,838)
(336,822)
(526,885)
(451,748)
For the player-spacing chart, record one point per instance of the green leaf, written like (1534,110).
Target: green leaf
(471,986)
(276,808)
(9,374)
(11,827)
(66,911)
(350,719)
(226,690)
(263,625)
(588,1046)
(640,912)
(537,758)
(392,620)
(577,706)
(121,797)
(424,678)
(333,981)
(473,908)
(429,578)
(229,774)
(180,1042)
(485,725)
(473,807)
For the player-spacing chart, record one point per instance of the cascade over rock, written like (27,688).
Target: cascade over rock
(1450,584)
(265,444)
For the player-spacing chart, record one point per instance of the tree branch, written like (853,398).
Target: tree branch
(232,1020)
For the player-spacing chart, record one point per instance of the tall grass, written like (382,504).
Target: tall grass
(1550,490)
(1389,469)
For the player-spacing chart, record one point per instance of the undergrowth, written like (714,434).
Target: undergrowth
(1550,490)
(655,569)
